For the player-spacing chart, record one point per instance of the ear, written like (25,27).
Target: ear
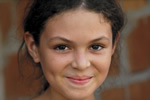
(32,47)
(115,42)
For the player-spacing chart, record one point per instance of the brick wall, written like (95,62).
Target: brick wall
(131,81)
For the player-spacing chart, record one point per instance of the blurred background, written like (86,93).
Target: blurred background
(129,81)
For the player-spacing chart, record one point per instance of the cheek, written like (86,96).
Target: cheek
(102,63)
(54,64)
(102,66)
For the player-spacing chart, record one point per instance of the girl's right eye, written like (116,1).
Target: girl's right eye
(96,47)
(61,47)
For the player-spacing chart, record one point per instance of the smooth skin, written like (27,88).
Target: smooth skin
(76,44)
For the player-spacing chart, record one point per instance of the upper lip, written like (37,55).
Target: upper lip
(79,77)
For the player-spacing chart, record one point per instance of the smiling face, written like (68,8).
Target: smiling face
(75,53)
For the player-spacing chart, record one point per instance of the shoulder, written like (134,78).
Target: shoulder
(40,97)
(36,98)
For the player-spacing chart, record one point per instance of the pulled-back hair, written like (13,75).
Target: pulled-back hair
(42,10)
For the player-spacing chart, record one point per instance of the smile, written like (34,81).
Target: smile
(79,80)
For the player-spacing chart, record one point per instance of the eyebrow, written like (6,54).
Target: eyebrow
(69,41)
(101,38)
(59,38)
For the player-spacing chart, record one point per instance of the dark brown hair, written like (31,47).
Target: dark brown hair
(42,10)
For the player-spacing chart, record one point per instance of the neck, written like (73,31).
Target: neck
(53,95)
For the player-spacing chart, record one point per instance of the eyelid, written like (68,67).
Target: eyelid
(56,47)
(98,45)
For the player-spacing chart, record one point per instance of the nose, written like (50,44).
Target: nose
(81,61)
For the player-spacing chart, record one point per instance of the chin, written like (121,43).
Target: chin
(79,97)
(79,94)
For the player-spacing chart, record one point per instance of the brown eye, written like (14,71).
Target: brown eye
(61,47)
(96,47)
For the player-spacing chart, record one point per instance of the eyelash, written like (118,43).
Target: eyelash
(64,47)
(61,47)
(96,47)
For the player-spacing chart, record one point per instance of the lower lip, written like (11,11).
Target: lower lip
(79,81)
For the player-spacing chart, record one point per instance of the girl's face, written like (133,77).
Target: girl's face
(75,53)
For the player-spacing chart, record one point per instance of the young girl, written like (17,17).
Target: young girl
(73,42)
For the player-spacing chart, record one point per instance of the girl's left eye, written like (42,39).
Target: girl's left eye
(61,47)
(96,47)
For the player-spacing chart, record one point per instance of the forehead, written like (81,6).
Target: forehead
(79,13)
(78,22)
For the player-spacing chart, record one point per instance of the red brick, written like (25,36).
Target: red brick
(140,91)
(139,46)
(5,18)
(15,84)
(114,94)
(130,5)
